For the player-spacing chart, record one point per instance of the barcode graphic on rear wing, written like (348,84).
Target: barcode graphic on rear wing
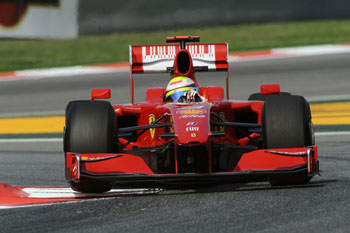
(156,58)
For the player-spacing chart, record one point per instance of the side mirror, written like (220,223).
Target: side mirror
(266,89)
(102,93)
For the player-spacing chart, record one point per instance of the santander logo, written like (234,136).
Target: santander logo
(176,82)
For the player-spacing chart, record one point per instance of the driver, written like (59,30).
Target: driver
(182,89)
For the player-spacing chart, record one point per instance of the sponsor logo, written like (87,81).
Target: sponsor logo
(298,153)
(85,158)
(191,111)
(192,116)
(175,82)
(192,129)
(151,118)
(193,107)
(75,170)
(192,123)
(96,159)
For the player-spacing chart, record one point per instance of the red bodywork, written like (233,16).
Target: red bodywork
(186,144)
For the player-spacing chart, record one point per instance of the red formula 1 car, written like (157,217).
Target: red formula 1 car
(208,140)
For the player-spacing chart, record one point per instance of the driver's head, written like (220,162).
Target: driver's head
(177,87)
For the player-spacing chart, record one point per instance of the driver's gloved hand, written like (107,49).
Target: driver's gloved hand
(191,96)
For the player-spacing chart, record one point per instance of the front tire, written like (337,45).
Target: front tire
(286,124)
(89,129)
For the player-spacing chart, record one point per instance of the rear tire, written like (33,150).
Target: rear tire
(89,129)
(287,124)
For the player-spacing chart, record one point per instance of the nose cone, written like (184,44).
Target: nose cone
(191,123)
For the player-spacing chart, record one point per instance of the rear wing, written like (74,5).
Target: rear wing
(160,58)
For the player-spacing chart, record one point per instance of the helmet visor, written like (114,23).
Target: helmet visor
(175,95)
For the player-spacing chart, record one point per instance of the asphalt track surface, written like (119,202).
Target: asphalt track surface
(321,206)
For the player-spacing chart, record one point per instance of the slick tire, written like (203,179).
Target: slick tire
(286,123)
(89,129)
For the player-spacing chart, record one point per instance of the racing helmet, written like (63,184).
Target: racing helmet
(177,87)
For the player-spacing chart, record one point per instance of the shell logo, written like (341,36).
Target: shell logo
(192,111)
(12,12)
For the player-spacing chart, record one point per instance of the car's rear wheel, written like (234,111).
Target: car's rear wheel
(287,124)
(89,129)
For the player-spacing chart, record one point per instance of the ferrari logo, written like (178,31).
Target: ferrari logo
(150,120)
(193,135)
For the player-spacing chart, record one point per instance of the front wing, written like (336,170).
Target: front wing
(253,166)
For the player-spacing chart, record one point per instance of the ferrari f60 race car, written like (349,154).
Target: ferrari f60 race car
(266,138)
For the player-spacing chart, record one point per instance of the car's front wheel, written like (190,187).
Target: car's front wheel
(89,129)
(287,124)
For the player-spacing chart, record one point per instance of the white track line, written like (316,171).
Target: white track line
(39,192)
(16,140)
(54,193)
(332,133)
(55,203)
(33,114)
(313,50)
(327,98)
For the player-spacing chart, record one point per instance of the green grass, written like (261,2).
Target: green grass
(28,54)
